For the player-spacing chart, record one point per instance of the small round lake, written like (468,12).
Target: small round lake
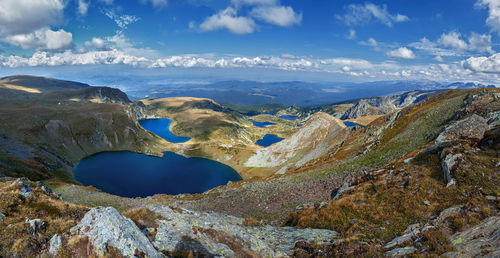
(262,124)
(288,117)
(161,127)
(130,174)
(268,140)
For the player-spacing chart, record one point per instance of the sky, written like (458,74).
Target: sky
(102,41)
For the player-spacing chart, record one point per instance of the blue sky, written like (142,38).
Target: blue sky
(319,40)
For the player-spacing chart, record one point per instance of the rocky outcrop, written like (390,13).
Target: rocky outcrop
(468,130)
(107,227)
(55,244)
(386,104)
(215,234)
(182,232)
(482,240)
(23,188)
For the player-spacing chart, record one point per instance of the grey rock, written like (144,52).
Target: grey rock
(447,213)
(216,234)
(23,187)
(448,164)
(1,216)
(493,119)
(470,128)
(426,202)
(398,252)
(337,193)
(482,240)
(402,239)
(34,225)
(408,160)
(107,227)
(491,198)
(55,244)
(412,228)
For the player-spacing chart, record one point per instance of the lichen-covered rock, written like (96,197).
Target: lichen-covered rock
(55,244)
(398,252)
(482,240)
(215,234)
(470,129)
(107,227)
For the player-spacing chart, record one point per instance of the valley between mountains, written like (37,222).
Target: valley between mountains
(417,174)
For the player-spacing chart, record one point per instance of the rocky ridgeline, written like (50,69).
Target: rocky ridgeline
(182,231)
(386,104)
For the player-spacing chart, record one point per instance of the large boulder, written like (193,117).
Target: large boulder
(214,234)
(482,240)
(470,129)
(107,227)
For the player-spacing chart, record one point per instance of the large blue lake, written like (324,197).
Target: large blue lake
(161,127)
(268,140)
(262,124)
(130,174)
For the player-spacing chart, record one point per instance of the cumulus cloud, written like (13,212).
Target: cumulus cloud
(26,16)
(155,3)
(454,44)
(96,43)
(83,7)
(439,58)
(480,43)
(493,7)
(452,40)
(44,38)
(401,53)
(228,19)
(483,64)
(278,15)
(357,14)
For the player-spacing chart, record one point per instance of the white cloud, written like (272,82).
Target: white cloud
(402,53)
(352,34)
(480,43)
(278,15)
(364,13)
(108,2)
(493,19)
(26,16)
(452,40)
(43,38)
(483,64)
(439,59)
(96,43)
(453,44)
(155,3)
(83,7)
(228,19)
(121,20)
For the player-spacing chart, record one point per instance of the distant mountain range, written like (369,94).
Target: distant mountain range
(293,92)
